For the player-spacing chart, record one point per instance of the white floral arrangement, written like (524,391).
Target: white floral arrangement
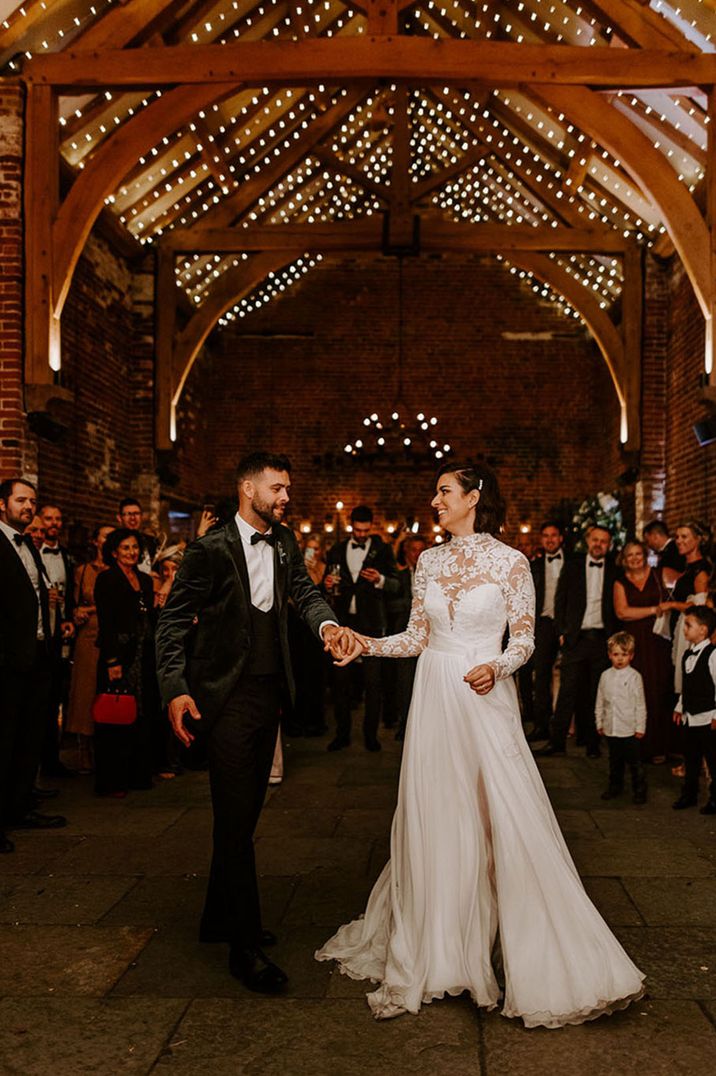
(600,510)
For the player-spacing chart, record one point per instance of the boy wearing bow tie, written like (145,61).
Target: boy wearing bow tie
(696,708)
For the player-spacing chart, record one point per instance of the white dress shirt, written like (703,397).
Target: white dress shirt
(30,566)
(259,562)
(595,584)
(355,559)
(54,565)
(707,716)
(552,570)
(620,709)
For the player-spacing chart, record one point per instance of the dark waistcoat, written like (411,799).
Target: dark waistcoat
(699,692)
(265,655)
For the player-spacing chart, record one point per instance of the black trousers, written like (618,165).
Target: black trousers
(343,693)
(240,749)
(582,665)
(22,727)
(699,744)
(624,751)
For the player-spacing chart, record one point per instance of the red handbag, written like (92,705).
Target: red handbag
(114,708)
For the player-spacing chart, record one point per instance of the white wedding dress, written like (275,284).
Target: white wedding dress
(480,886)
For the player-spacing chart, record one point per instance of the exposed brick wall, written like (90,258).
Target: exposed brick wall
(651,489)
(543,410)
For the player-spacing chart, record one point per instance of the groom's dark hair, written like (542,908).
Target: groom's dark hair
(257,462)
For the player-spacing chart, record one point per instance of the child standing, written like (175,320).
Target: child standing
(620,715)
(696,708)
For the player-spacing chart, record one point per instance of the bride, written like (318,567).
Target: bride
(480,892)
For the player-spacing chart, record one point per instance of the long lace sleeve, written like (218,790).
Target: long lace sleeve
(519,594)
(414,639)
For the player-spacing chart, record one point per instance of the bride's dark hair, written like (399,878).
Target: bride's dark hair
(490,510)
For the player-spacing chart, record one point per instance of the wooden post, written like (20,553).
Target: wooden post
(709,334)
(382,16)
(42,157)
(632,314)
(165,321)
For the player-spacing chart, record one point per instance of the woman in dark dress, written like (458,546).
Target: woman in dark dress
(692,541)
(125,602)
(637,603)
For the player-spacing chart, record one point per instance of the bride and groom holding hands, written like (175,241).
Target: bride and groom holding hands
(479,876)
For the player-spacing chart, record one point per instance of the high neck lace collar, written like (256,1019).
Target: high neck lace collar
(468,539)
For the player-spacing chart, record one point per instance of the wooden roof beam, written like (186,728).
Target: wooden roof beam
(400,59)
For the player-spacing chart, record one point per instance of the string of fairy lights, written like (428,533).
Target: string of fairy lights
(528,164)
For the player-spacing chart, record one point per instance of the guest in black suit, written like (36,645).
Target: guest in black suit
(59,569)
(24,662)
(671,563)
(224,668)
(546,571)
(584,618)
(366,574)
(399,674)
(125,601)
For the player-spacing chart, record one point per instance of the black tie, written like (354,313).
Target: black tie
(268,537)
(20,539)
(48,549)
(596,564)
(357,545)
(557,556)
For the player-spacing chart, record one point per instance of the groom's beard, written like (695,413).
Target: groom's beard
(270,513)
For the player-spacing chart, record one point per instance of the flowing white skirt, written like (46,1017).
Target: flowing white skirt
(480,878)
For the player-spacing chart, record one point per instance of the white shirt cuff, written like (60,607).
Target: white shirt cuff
(381,583)
(325,624)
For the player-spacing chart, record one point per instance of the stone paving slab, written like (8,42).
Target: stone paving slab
(661,901)
(679,961)
(324,1038)
(36,852)
(373,823)
(55,899)
(575,823)
(63,960)
(100,1037)
(112,818)
(172,853)
(327,899)
(638,857)
(297,822)
(657,1038)
(677,825)
(299,855)
(613,902)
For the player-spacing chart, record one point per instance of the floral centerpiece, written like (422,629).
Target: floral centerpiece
(601,510)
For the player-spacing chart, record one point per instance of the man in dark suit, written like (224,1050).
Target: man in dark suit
(670,561)
(546,571)
(224,669)
(366,573)
(24,662)
(584,618)
(59,570)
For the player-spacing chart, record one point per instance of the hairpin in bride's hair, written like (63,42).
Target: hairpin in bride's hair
(479,485)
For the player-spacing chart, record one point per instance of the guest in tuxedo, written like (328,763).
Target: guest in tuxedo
(399,674)
(360,572)
(670,561)
(546,571)
(130,517)
(24,662)
(308,659)
(36,531)
(584,618)
(224,670)
(59,569)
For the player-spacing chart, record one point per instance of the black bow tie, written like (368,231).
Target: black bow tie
(21,539)
(557,556)
(691,651)
(358,545)
(596,564)
(268,537)
(48,549)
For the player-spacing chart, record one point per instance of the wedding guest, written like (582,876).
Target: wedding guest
(669,559)
(696,707)
(83,682)
(585,618)
(130,516)
(311,665)
(399,674)
(691,588)
(637,602)
(166,749)
(36,531)
(124,597)
(24,662)
(365,572)
(59,569)
(620,715)
(536,684)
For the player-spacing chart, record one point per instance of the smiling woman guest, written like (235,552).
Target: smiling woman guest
(124,597)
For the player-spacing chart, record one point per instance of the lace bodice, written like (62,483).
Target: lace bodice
(464,595)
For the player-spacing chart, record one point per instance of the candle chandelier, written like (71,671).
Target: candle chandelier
(396,438)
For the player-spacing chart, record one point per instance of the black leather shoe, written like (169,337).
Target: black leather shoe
(338,744)
(6,844)
(45,793)
(550,751)
(683,802)
(372,745)
(611,793)
(708,808)
(256,971)
(35,820)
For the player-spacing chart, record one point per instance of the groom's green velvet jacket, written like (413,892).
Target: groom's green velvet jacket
(203,636)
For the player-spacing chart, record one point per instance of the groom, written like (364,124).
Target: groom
(224,671)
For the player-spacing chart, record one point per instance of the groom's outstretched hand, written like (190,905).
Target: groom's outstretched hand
(351,649)
(337,641)
(182,704)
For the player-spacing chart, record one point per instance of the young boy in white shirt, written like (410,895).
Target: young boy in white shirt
(620,715)
(696,708)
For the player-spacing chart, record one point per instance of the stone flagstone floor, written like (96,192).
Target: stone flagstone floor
(101,971)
